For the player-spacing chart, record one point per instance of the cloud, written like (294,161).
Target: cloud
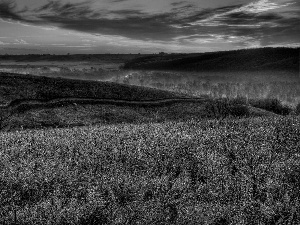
(241,14)
(262,22)
(7,10)
(117,1)
(67,10)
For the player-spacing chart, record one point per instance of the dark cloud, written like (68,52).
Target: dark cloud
(116,1)
(7,9)
(206,13)
(154,27)
(129,13)
(178,3)
(68,9)
(249,18)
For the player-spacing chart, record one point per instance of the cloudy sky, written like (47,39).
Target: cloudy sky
(146,26)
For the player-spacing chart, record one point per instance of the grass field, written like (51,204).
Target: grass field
(241,171)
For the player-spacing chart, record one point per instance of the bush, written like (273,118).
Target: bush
(239,101)
(272,105)
(239,110)
(225,107)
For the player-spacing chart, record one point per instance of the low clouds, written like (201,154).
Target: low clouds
(258,23)
(21,42)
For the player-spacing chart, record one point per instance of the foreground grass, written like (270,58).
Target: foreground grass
(244,171)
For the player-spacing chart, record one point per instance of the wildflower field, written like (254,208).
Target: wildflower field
(230,171)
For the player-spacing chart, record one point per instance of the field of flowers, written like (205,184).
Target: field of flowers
(242,171)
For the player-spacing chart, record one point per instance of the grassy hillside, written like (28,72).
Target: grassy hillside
(70,114)
(285,59)
(198,172)
(80,104)
(13,86)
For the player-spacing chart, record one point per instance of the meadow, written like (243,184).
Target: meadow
(230,171)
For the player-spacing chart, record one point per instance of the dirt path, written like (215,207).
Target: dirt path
(36,103)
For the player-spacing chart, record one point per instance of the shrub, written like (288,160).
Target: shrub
(239,110)
(225,107)
(239,101)
(273,105)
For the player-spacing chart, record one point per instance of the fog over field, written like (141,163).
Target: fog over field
(282,85)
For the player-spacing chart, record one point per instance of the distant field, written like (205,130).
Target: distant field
(197,172)
(73,57)
(252,73)
(84,67)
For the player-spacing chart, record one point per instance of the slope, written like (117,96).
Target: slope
(14,86)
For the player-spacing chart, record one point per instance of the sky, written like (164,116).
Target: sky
(146,26)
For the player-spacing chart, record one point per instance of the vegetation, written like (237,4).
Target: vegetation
(282,85)
(286,59)
(224,107)
(70,114)
(196,172)
(273,105)
(16,88)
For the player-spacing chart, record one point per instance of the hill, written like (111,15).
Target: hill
(30,102)
(285,59)
(14,86)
